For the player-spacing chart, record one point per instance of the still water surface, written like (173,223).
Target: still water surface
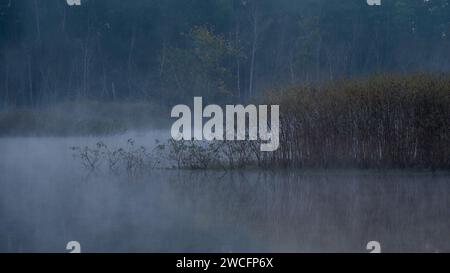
(47,199)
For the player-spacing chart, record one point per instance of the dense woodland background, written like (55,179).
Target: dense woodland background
(225,50)
(358,85)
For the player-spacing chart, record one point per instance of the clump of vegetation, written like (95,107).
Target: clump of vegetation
(134,160)
(194,154)
(215,154)
(381,122)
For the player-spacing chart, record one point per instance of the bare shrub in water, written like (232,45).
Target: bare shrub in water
(194,154)
(90,157)
(131,159)
(134,160)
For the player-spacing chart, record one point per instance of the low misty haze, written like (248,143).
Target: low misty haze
(362,153)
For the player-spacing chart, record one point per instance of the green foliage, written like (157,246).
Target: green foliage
(202,68)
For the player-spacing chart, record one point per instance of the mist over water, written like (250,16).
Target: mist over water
(359,88)
(47,199)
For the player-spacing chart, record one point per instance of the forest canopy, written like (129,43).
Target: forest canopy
(169,51)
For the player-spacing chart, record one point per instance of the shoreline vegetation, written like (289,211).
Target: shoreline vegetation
(385,121)
(381,122)
(136,161)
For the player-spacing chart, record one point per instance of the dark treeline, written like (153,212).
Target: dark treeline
(168,51)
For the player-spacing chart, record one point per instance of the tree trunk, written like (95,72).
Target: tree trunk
(252,61)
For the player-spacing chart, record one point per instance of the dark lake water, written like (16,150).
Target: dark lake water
(47,200)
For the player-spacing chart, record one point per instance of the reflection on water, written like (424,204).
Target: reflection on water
(46,200)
